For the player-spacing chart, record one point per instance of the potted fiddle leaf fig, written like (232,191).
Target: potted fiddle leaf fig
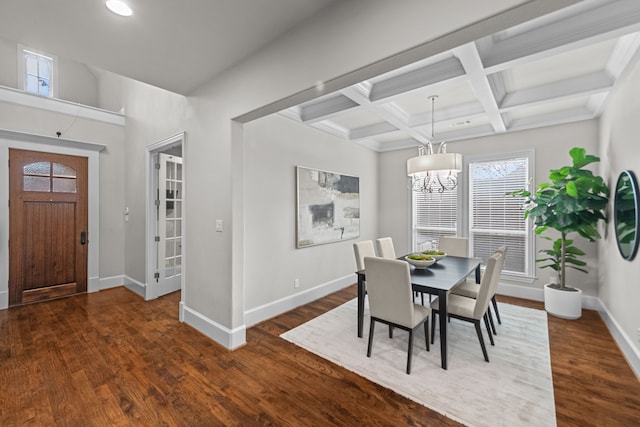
(573,202)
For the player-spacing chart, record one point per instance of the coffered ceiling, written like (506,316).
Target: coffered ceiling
(556,69)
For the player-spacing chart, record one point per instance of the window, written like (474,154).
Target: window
(483,210)
(37,72)
(495,217)
(434,215)
(49,177)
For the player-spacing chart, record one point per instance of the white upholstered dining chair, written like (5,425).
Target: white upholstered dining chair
(391,301)
(385,249)
(474,310)
(471,289)
(455,246)
(361,250)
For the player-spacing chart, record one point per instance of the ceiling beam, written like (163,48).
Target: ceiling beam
(470,59)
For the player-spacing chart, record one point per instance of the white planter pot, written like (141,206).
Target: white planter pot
(564,304)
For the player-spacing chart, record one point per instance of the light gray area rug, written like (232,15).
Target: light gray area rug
(514,389)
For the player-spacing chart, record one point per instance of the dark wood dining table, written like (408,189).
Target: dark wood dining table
(437,279)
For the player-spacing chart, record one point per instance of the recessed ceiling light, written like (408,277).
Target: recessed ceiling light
(119,7)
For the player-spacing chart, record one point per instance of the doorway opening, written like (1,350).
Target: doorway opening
(165,217)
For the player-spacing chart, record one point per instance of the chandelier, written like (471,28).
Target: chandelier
(431,171)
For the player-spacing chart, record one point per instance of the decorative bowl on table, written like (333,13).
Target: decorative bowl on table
(437,255)
(420,260)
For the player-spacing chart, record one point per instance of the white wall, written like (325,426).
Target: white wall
(152,115)
(619,148)
(551,144)
(8,64)
(274,146)
(326,48)
(76,82)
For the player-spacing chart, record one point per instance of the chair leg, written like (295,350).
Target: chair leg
(495,307)
(479,332)
(426,332)
(371,327)
(433,326)
(422,298)
(490,316)
(409,352)
(486,324)
(390,331)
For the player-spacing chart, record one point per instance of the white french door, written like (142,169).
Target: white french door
(169,224)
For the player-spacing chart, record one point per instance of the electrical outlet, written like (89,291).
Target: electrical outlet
(296,283)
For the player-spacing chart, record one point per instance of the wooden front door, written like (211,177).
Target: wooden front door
(47,226)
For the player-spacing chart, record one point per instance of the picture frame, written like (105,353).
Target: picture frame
(327,207)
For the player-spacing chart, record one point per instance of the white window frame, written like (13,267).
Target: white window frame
(530,267)
(53,80)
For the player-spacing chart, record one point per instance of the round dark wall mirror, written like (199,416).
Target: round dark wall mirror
(626,210)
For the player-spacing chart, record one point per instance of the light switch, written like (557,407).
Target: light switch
(218,225)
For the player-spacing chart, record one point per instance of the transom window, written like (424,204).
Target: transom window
(50,177)
(37,71)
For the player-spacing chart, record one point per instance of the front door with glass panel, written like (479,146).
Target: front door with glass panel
(169,231)
(48,241)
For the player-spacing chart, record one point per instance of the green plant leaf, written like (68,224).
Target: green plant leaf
(574,201)
(572,189)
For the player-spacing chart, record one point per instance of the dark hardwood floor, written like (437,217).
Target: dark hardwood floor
(110,358)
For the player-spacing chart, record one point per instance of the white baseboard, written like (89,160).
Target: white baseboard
(526,292)
(93,284)
(536,294)
(135,286)
(111,282)
(4,300)
(272,309)
(229,338)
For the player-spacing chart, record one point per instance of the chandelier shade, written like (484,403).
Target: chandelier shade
(442,163)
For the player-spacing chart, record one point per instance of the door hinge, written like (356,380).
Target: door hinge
(157,165)
(157,202)
(157,238)
(156,276)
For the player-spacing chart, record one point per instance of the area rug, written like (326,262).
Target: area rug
(514,389)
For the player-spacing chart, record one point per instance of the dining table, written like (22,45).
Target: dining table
(437,279)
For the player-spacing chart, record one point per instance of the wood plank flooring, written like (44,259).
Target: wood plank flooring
(112,359)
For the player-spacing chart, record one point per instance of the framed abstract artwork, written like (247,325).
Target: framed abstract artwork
(328,207)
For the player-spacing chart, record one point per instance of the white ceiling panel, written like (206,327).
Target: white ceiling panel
(356,118)
(575,104)
(566,65)
(453,94)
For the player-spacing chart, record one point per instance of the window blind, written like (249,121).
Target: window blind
(496,217)
(434,216)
